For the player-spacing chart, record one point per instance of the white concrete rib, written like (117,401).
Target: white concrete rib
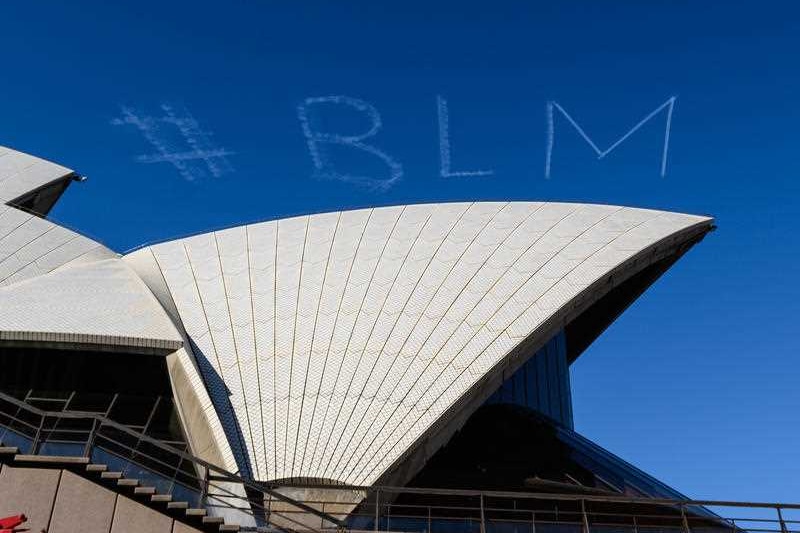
(343,338)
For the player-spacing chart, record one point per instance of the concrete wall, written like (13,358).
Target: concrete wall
(338,503)
(59,501)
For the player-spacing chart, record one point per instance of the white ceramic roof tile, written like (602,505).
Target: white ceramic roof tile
(21,173)
(31,246)
(342,338)
(103,302)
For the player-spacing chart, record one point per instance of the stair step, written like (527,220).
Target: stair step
(121,481)
(178,505)
(51,459)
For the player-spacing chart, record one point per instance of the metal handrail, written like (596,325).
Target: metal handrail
(379,505)
(221,474)
(540,495)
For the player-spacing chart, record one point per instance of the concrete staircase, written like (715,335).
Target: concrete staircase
(99,473)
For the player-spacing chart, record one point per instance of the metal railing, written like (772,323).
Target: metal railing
(324,507)
(170,470)
(428,510)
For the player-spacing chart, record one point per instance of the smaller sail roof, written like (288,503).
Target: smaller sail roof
(21,173)
(102,305)
(29,244)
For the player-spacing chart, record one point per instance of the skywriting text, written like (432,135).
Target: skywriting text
(318,142)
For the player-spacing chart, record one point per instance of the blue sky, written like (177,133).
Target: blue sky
(697,383)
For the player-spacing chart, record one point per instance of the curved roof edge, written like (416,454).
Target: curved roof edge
(82,341)
(438,434)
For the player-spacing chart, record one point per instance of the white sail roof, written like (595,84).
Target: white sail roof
(343,343)
(21,173)
(30,245)
(104,304)
(58,287)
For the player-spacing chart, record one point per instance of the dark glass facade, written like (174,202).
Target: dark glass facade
(77,389)
(542,383)
(523,438)
(130,389)
(511,447)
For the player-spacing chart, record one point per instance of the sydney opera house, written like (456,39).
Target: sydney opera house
(396,369)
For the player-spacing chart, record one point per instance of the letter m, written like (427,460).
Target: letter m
(553,106)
